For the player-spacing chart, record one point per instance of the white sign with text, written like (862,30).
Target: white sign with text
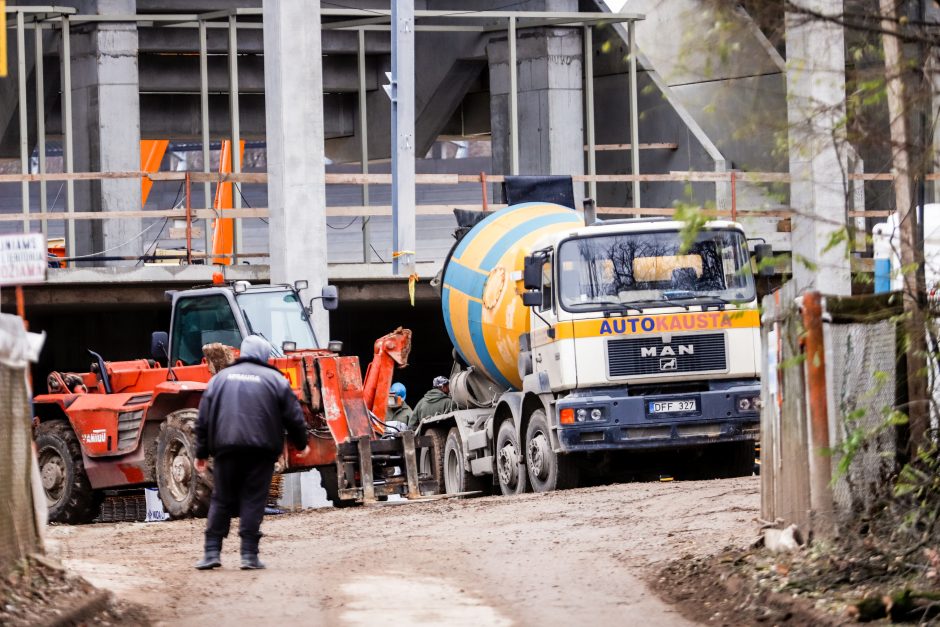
(23,259)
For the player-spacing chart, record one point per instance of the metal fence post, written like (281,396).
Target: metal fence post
(820,467)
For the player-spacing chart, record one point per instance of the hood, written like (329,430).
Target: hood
(256,348)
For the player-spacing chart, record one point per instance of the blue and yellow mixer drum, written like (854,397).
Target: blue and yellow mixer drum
(483,312)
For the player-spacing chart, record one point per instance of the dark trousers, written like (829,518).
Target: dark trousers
(242,480)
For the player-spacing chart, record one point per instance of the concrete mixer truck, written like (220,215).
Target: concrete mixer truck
(577,344)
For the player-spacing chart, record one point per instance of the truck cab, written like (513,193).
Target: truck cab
(228,313)
(644,336)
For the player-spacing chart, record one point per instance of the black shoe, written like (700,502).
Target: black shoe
(250,561)
(209,561)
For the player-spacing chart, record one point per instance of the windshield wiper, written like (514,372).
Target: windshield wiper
(251,329)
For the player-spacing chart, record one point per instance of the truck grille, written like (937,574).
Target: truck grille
(129,428)
(649,355)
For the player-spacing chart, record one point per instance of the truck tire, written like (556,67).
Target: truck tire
(510,473)
(69,495)
(184,491)
(456,478)
(432,458)
(330,481)
(547,470)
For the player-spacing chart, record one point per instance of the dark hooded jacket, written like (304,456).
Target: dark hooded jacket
(249,405)
(434,402)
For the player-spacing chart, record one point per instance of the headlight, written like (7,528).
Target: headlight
(581,415)
(596,414)
(748,404)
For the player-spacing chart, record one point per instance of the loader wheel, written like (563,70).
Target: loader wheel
(547,469)
(184,491)
(456,478)
(68,492)
(510,470)
(432,459)
(329,477)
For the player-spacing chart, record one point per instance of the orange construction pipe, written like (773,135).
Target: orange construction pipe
(223,228)
(151,156)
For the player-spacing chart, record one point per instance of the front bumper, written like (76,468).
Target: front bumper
(628,423)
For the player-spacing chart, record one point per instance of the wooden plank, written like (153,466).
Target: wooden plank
(651,146)
(180,232)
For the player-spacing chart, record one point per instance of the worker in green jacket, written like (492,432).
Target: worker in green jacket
(398,409)
(436,401)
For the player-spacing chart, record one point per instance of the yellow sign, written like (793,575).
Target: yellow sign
(662,323)
(3,39)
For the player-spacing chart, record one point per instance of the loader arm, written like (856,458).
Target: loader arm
(389,352)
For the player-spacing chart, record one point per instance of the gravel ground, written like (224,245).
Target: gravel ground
(536,559)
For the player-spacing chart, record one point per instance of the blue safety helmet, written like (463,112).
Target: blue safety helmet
(399,390)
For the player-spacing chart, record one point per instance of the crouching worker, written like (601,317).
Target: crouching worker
(242,418)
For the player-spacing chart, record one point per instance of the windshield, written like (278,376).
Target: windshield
(650,270)
(278,317)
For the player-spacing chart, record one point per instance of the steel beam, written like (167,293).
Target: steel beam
(364,147)
(589,108)
(68,138)
(236,130)
(204,121)
(41,123)
(403,134)
(513,101)
(634,116)
(24,128)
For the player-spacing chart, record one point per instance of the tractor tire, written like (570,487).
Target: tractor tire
(456,478)
(432,459)
(546,469)
(185,493)
(510,470)
(330,479)
(69,495)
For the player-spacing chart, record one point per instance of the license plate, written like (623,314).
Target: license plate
(669,407)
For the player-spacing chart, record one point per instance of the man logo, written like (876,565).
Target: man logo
(667,351)
(668,363)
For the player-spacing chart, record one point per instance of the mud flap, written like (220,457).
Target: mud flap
(371,470)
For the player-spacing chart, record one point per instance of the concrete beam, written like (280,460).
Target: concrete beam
(295,139)
(107,122)
(186,40)
(180,73)
(818,147)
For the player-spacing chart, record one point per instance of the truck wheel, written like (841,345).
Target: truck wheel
(546,469)
(432,459)
(184,491)
(330,480)
(68,492)
(509,456)
(456,479)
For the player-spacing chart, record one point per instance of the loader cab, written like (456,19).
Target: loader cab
(227,314)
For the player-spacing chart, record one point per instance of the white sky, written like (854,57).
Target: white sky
(615,5)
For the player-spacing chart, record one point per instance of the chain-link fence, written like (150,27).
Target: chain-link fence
(19,527)
(829,441)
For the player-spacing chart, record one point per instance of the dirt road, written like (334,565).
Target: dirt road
(538,559)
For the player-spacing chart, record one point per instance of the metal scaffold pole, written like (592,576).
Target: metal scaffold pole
(402,93)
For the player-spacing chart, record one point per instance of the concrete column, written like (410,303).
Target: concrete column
(818,149)
(294,117)
(550,96)
(106,114)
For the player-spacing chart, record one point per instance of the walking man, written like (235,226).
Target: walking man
(242,418)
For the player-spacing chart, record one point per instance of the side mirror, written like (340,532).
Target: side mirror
(300,285)
(532,299)
(330,296)
(764,253)
(532,272)
(159,346)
